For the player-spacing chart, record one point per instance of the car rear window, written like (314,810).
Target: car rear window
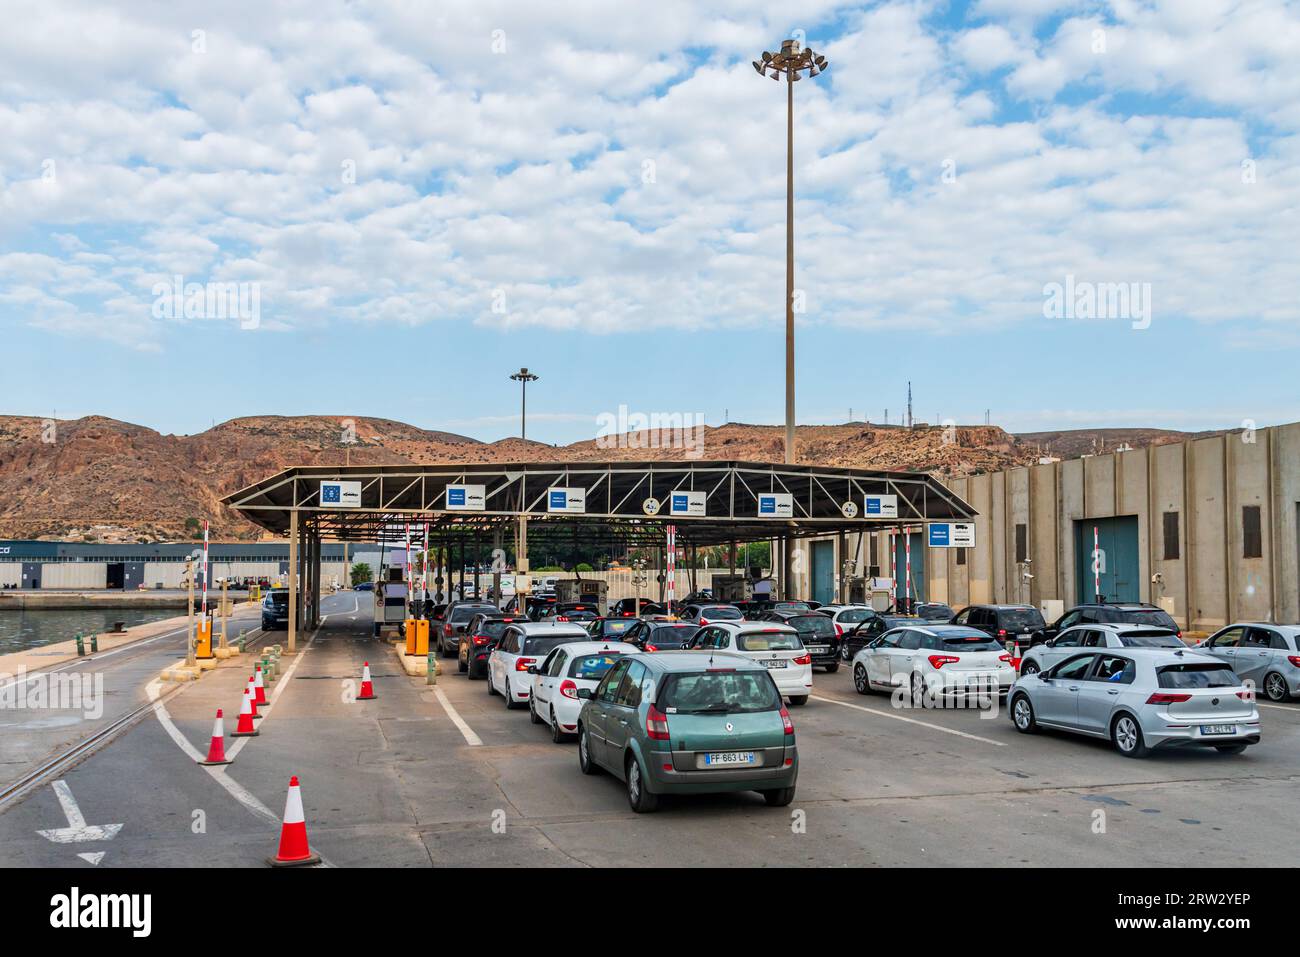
(544,646)
(818,625)
(792,606)
(1147,616)
(279,598)
(670,636)
(935,612)
(1196,675)
(718,692)
(493,629)
(721,613)
(1020,618)
(768,641)
(1150,639)
(466,612)
(615,626)
(968,642)
(592,667)
(854,615)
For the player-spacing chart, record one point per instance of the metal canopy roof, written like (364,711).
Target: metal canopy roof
(616,493)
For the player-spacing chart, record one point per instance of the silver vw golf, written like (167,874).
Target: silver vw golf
(1140,701)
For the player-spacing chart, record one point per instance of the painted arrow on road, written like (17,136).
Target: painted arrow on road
(77,830)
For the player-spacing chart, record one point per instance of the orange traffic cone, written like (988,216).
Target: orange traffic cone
(367,688)
(252,697)
(259,687)
(294,850)
(217,747)
(245,727)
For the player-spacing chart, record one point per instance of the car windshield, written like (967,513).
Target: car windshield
(1021,618)
(592,667)
(818,625)
(1196,676)
(718,692)
(852,616)
(537,647)
(768,641)
(721,613)
(1150,639)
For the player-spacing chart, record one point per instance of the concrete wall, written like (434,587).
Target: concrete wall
(1206,483)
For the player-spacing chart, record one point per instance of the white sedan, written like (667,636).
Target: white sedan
(571,667)
(933,659)
(776,647)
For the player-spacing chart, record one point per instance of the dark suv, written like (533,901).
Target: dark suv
(871,629)
(275,609)
(819,634)
(1124,613)
(452,623)
(1019,623)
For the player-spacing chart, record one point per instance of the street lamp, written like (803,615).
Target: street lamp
(523,377)
(790,63)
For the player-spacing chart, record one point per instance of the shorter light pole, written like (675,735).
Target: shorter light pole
(523,377)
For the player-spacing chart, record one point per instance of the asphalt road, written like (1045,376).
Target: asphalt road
(397,782)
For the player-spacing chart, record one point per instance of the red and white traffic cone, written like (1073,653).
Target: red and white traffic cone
(259,686)
(367,687)
(217,747)
(245,727)
(294,849)
(251,688)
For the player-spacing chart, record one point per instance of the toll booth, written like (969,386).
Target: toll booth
(390,605)
(585,590)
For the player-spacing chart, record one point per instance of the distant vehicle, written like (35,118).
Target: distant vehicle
(1129,613)
(567,670)
(1140,701)
(819,635)
(933,611)
(275,609)
(734,733)
(477,641)
(847,617)
(520,646)
(1257,651)
(364,586)
(871,629)
(707,614)
(1108,635)
(570,611)
(1019,623)
(778,648)
(454,621)
(659,635)
(929,660)
(627,608)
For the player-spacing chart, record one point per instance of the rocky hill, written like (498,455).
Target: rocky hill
(99,479)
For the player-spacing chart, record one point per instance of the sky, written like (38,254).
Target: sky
(1063,215)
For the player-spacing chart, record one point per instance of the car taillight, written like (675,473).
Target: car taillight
(785,720)
(568,689)
(1294,659)
(446,629)
(703,620)
(627,614)
(561,618)
(481,639)
(1007,658)
(1246,695)
(803,660)
(839,632)
(1002,632)
(651,648)
(938,661)
(1165,697)
(656,724)
(521,664)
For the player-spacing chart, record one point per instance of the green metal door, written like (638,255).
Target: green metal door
(902,589)
(1113,572)
(823,572)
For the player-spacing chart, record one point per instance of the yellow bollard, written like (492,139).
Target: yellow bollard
(421,637)
(203,641)
(410,636)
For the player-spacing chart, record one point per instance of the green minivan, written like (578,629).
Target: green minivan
(688,722)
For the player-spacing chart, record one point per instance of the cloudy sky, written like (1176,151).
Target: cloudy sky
(423,196)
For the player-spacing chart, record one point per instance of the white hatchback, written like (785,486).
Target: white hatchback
(565,671)
(776,647)
(933,659)
(521,646)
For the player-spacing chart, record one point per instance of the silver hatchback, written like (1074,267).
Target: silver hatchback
(1140,701)
(1267,654)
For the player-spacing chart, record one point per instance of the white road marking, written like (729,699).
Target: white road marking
(472,739)
(77,830)
(924,724)
(1279,707)
(93,857)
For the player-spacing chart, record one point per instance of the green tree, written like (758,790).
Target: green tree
(361,573)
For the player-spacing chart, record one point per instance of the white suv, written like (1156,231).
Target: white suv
(523,645)
(1096,635)
(777,647)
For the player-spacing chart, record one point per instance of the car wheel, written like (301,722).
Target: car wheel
(641,800)
(491,690)
(844,653)
(532,711)
(798,700)
(831,669)
(509,696)
(1029,668)
(1022,713)
(918,690)
(779,797)
(1127,737)
(1275,687)
(557,735)
(1230,748)
(585,763)
(462,665)
(446,652)
(861,683)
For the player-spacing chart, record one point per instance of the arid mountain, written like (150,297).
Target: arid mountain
(100,479)
(1074,443)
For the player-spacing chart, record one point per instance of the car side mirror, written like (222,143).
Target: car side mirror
(532,669)
(585,694)
(1050,642)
